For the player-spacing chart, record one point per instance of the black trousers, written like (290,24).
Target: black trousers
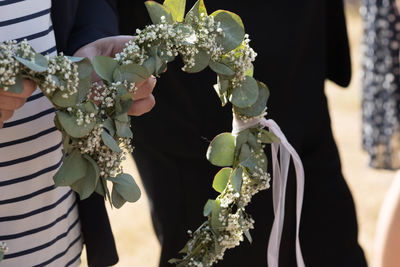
(179,186)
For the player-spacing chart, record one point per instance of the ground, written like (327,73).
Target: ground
(137,245)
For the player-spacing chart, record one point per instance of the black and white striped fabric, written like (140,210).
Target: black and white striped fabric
(39,222)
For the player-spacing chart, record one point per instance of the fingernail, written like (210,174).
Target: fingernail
(154,80)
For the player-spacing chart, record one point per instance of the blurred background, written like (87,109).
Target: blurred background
(137,244)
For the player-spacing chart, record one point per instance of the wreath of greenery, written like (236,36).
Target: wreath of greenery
(96,128)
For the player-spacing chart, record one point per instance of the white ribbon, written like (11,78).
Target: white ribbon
(280,174)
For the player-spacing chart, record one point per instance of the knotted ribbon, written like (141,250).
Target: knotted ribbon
(280,173)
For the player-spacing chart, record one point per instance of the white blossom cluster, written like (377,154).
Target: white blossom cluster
(3,247)
(233,224)
(242,59)
(173,40)
(62,74)
(9,67)
(108,161)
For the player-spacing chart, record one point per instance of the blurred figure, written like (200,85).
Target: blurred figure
(380,82)
(300,44)
(381,116)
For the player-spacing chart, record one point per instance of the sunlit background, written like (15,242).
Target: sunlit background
(137,245)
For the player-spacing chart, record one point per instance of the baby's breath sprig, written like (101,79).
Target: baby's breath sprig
(96,128)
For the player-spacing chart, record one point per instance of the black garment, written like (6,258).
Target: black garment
(77,23)
(300,44)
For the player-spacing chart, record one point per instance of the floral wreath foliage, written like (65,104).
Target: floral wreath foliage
(96,128)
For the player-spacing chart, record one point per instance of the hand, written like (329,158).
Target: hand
(143,98)
(9,102)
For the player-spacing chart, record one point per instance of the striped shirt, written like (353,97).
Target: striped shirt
(39,222)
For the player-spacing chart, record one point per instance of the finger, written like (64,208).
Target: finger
(11,103)
(5,115)
(29,88)
(145,88)
(142,106)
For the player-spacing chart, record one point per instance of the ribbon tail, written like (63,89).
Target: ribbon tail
(281,180)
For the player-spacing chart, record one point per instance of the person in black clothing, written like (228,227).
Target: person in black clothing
(300,44)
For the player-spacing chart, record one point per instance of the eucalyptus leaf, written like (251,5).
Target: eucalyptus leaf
(246,94)
(133,73)
(123,129)
(109,125)
(245,152)
(258,107)
(18,87)
(123,105)
(221,150)
(150,64)
(1,255)
(122,117)
(69,124)
(222,69)
(156,11)
(162,53)
(232,27)
(174,261)
(63,102)
(75,59)
(87,185)
(202,60)
(267,137)
(95,170)
(237,179)
(208,207)
(85,68)
(104,67)
(126,186)
(196,11)
(250,71)
(253,142)
(90,107)
(100,189)
(221,179)
(177,8)
(73,168)
(38,65)
(117,200)
(110,142)
(241,139)
(248,236)
(250,164)
(216,224)
(222,95)
(262,162)
(84,87)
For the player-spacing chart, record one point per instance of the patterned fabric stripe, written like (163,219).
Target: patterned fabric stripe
(29,196)
(9,2)
(30,118)
(31,176)
(40,229)
(30,157)
(34,97)
(43,209)
(29,138)
(77,257)
(49,51)
(24,18)
(48,244)
(60,254)
(36,35)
